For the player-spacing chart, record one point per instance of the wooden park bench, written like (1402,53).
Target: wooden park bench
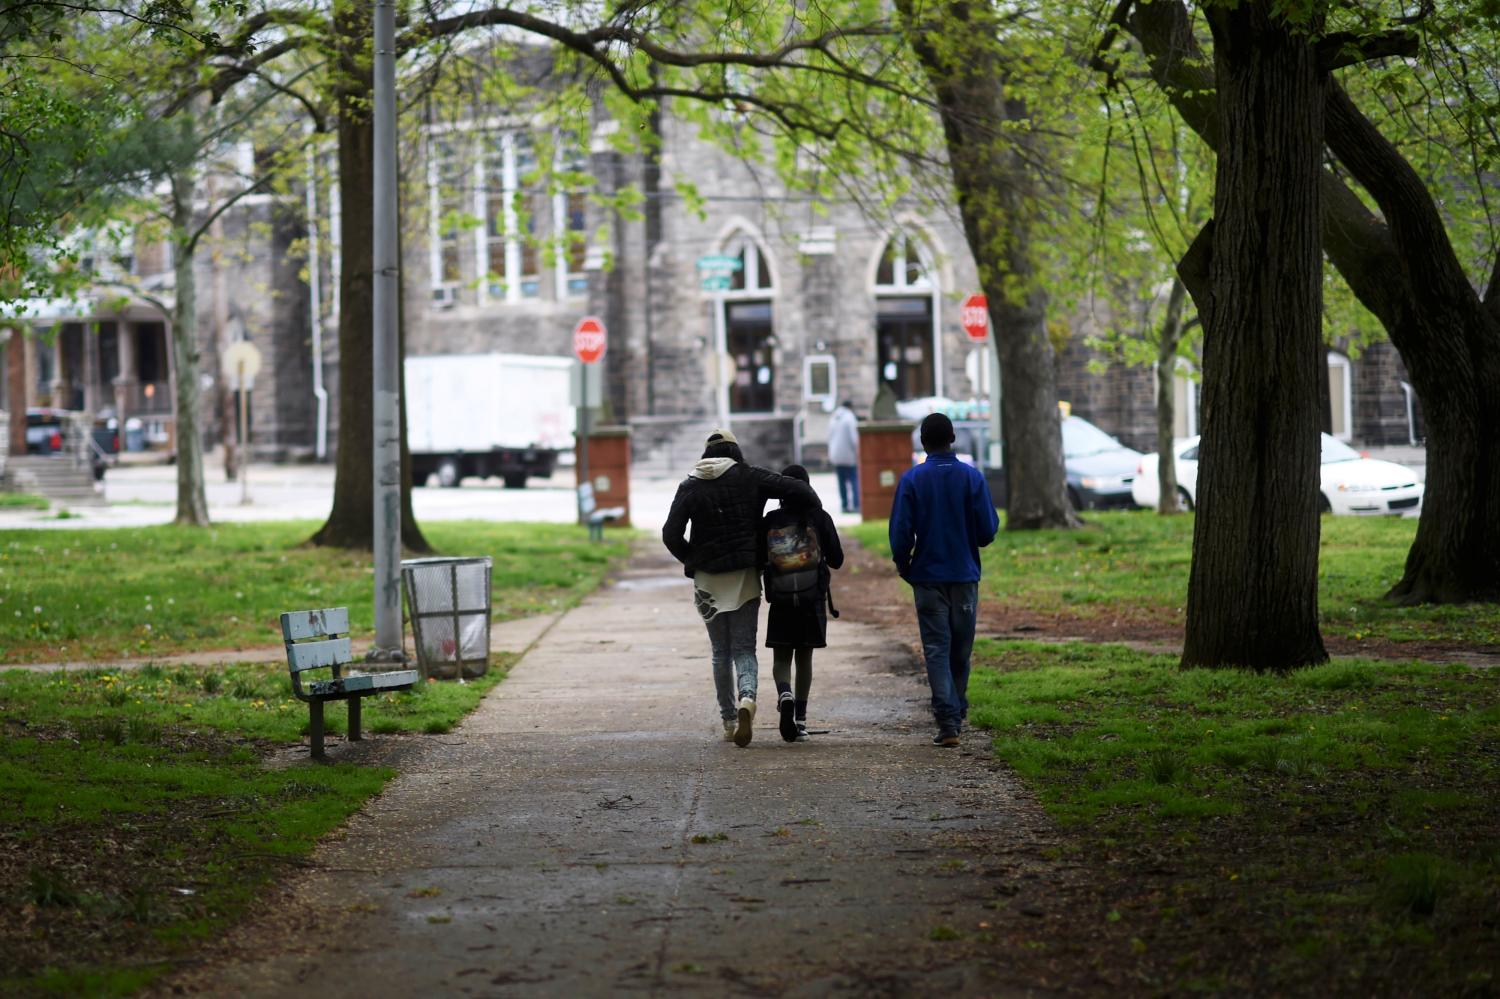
(319,639)
(594,515)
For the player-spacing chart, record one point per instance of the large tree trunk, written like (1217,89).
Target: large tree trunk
(1166,374)
(351,522)
(1403,270)
(998,197)
(15,392)
(1256,274)
(1450,341)
(192,502)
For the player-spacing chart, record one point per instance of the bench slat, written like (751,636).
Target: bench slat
(360,682)
(297,625)
(314,655)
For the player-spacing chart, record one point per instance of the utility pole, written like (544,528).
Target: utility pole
(386,463)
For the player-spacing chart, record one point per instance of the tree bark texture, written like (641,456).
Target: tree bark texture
(998,195)
(1403,269)
(192,501)
(351,521)
(1450,341)
(1166,374)
(15,392)
(1256,275)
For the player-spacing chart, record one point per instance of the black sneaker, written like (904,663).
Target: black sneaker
(802,735)
(947,740)
(787,705)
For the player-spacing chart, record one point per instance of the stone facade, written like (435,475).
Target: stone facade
(821,286)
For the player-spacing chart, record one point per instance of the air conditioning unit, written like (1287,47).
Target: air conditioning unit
(445,296)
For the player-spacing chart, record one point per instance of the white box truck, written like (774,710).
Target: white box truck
(483,415)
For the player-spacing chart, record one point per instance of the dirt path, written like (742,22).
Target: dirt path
(587,832)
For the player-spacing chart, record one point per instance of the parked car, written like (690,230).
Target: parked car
(46,433)
(1350,484)
(1146,490)
(1100,470)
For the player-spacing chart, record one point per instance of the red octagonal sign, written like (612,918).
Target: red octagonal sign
(975,316)
(590,339)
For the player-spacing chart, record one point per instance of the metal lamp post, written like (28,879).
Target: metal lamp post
(386,460)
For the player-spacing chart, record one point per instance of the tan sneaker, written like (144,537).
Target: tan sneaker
(729,726)
(743,720)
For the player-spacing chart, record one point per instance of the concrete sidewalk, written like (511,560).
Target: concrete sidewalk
(587,832)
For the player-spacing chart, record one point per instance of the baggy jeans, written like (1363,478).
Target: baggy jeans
(731,635)
(946,616)
(848,476)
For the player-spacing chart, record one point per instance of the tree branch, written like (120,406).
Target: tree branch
(1344,48)
(1358,243)
(1097,61)
(230,202)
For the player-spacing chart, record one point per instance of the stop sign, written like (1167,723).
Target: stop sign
(589,339)
(975,316)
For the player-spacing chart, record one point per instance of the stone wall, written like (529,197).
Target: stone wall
(1379,403)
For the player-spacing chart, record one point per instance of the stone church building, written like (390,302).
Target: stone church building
(754,306)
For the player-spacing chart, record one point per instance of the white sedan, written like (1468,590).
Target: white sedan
(1351,483)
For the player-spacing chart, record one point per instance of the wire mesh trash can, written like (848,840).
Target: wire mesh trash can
(448,602)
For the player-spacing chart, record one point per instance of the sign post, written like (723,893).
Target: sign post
(590,340)
(975,317)
(716,275)
(240,362)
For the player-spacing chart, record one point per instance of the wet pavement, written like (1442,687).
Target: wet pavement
(587,832)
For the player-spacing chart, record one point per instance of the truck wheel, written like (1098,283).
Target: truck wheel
(448,474)
(514,480)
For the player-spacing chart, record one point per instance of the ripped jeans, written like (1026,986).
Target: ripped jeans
(732,637)
(946,616)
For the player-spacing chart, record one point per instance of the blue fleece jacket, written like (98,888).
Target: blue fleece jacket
(941,517)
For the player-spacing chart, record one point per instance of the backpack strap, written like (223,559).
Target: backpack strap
(832,610)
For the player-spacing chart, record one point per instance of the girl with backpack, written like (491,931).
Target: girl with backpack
(801,547)
(722,499)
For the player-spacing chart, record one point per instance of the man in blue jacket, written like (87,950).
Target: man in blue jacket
(941,517)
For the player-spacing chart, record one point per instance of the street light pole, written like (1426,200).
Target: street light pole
(386,463)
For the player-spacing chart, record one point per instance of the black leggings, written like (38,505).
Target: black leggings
(781,671)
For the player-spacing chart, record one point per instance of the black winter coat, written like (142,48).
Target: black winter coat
(725,514)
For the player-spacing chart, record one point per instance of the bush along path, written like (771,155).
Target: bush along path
(587,831)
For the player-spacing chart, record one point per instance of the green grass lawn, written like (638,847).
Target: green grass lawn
(138,816)
(1340,821)
(101,594)
(1134,565)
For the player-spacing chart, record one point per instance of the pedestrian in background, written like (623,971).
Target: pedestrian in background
(843,454)
(941,516)
(723,498)
(802,546)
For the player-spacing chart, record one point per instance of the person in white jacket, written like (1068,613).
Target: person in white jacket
(843,454)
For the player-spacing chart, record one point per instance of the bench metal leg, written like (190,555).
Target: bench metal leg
(354,713)
(315,708)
